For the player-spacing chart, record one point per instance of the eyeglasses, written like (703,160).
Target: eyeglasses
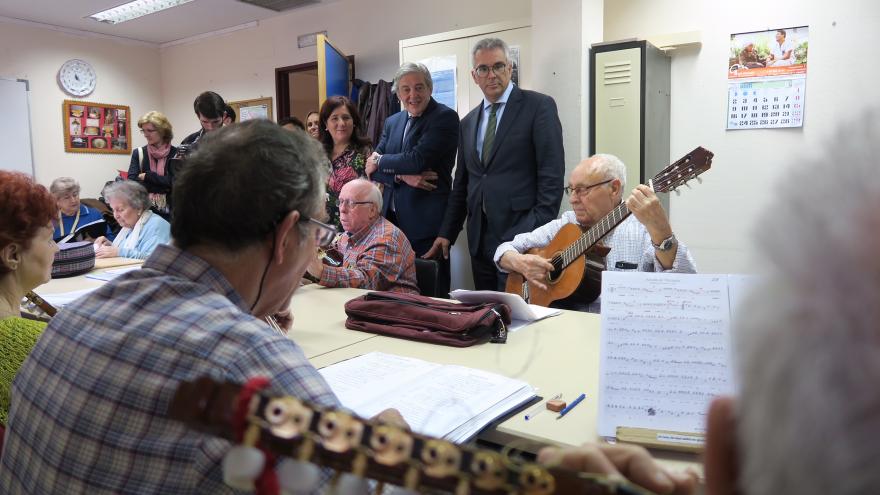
(144,131)
(324,234)
(350,204)
(581,190)
(483,70)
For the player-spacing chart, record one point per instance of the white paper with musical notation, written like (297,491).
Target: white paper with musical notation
(453,402)
(665,349)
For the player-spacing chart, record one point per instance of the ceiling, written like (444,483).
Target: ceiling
(191,19)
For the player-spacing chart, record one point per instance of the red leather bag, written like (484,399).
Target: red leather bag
(425,319)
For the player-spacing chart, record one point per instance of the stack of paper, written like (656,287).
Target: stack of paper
(521,313)
(452,402)
(108,275)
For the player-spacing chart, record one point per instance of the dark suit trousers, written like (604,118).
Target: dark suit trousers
(486,274)
(421,246)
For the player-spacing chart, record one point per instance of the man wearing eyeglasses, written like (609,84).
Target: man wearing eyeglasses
(211,111)
(510,169)
(198,307)
(376,254)
(642,242)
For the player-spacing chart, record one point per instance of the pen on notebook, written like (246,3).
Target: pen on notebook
(571,406)
(540,406)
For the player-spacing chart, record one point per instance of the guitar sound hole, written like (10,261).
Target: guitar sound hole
(554,275)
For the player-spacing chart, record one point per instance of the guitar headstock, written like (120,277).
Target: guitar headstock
(688,167)
(347,444)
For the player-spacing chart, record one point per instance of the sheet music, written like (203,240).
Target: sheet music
(521,313)
(665,350)
(436,400)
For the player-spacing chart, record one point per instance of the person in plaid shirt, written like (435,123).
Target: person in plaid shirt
(376,254)
(88,412)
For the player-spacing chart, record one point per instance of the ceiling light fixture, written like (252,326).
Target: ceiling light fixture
(135,9)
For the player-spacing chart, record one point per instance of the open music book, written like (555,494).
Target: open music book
(93,229)
(665,350)
(452,402)
(521,313)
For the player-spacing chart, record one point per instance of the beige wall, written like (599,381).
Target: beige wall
(716,218)
(128,74)
(241,65)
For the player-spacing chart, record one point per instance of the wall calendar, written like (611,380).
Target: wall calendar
(767,79)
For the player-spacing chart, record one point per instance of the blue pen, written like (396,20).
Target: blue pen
(571,406)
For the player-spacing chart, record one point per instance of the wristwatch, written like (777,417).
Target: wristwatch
(666,244)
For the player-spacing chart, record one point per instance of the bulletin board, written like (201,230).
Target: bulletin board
(258,108)
(96,127)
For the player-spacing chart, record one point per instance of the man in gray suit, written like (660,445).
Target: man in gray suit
(509,177)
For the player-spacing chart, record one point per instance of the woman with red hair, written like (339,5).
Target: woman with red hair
(26,254)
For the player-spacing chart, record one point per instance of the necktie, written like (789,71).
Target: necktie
(409,122)
(490,133)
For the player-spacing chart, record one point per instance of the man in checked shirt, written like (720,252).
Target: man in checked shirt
(642,242)
(376,254)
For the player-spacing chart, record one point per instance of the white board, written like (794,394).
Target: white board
(15,127)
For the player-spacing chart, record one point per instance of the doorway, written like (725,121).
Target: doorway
(296,89)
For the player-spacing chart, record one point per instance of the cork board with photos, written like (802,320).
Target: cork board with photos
(96,127)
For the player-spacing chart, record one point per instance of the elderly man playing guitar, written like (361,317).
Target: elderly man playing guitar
(556,268)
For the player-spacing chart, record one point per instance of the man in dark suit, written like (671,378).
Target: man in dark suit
(510,170)
(414,161)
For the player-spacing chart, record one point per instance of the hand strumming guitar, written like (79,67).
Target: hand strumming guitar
(646,207)
(533,267)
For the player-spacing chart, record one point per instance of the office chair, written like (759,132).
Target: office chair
(426,276)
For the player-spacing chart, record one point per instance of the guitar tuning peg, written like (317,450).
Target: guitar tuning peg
(688,185)
(699,180)
(241,466)
(677,192)
(352,485)
(297,477)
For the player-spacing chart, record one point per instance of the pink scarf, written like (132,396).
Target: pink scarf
(158,155)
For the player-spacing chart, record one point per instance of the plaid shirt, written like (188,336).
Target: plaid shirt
(88,406)
(378,257)
(631,248)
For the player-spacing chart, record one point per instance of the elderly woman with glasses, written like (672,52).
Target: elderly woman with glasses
(142,230)
(26,254)
(76,221)
(341,133)
(150,164)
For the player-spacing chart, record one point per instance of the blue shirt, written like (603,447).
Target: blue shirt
(156,231)
(86,216)
(88,405)
(484,118)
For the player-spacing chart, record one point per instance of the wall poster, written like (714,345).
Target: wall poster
(767,79)
(95,127)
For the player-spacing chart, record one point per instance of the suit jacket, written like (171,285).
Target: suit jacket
(520,182)
(430,144)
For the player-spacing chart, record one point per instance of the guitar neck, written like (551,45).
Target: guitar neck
(339,441)
(594,234)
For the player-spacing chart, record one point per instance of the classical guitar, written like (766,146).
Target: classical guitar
(308,436)
(577,257)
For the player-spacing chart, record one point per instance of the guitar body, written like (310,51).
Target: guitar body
(579,282)
(577,255)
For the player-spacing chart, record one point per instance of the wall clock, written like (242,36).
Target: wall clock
(77,77)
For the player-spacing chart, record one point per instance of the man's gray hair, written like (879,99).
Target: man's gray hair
(134,194)
(374,196)
(242,181)
(808,345)
(63,186)
(490,44)
(412,68)
(611,167)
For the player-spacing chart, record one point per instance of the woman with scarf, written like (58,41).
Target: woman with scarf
(341,133)
(142,230)
(150,164)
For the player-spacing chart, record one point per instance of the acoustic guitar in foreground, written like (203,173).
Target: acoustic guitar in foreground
(576,255)
(357,450)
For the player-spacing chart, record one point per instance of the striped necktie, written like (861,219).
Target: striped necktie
(490,132)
